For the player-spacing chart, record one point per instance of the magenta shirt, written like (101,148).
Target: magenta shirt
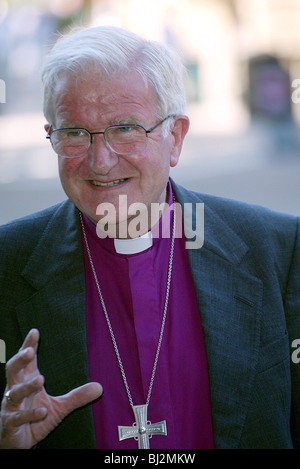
(134,287)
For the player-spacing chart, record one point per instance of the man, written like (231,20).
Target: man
(139,339)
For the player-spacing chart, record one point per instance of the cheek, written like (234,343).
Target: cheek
(157,160)
(69,177)
(68,169)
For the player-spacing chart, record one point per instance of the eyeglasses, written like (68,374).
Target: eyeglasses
(121,139)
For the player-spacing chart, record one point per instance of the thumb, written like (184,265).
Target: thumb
(81,396)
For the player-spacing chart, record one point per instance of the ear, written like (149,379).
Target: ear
(178,133)
(47,127)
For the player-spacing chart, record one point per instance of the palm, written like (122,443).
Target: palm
(35,413)
(58,408)
(27,435)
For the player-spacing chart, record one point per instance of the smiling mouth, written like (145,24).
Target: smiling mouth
(108,184)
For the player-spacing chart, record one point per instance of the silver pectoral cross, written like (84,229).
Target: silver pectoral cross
(142,430)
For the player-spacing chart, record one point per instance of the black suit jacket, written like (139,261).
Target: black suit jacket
(247,280)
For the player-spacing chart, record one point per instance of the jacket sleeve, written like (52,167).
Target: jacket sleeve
(292,307)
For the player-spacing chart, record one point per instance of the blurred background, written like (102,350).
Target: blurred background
(243,90)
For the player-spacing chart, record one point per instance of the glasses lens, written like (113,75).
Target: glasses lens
(126,139)
(70,143)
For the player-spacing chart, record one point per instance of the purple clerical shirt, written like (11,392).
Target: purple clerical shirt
(134,288)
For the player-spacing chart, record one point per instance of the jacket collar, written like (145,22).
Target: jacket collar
(214,234)
(58,249)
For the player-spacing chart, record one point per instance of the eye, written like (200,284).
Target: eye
(126,129)
(76,133)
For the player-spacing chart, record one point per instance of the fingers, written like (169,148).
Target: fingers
(81,396)
(21,403)
(18,392)
(23,361)
(18,418)
(31,340)
(17,364)
(28,401)
(22,375)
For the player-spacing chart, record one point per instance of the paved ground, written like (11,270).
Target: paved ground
(245,167)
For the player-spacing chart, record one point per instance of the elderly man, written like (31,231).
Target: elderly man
(121,334)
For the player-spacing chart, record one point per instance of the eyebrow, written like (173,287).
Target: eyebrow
(67,125)
(124,121)
(127,121)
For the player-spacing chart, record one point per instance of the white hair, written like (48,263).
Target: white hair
(113,52)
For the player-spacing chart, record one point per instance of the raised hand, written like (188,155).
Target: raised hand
(28,413)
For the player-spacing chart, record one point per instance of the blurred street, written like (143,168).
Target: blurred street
(243,63)
(244,167)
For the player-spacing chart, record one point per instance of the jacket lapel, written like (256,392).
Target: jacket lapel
(230,306)
(57,309)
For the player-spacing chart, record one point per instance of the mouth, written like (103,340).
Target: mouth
(108,184)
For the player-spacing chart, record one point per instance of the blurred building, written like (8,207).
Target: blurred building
(217,38)
(222,43)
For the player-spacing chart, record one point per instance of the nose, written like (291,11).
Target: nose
(101,159)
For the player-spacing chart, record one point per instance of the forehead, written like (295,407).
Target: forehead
(97,97)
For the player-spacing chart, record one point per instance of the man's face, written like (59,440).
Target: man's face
(95,104)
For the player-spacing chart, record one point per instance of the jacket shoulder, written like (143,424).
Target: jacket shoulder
(18,238)
(238,213)
(265,231)
(37,219)
(34,223)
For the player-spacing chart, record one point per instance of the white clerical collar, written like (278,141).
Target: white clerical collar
(133,245)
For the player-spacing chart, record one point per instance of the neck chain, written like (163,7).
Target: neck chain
(142,430)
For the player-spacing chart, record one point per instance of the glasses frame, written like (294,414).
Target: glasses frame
(118,126)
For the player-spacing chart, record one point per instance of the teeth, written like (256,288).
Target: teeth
(108,184)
